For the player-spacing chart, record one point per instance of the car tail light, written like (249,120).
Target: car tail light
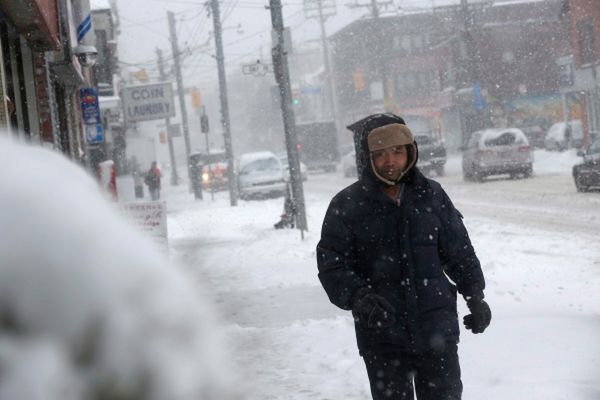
(524,148)
(483,153)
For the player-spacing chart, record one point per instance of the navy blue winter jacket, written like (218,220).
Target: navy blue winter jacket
(416,255)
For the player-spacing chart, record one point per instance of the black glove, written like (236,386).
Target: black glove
(480,316)
(375,310)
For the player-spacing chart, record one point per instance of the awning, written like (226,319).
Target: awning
(37,20)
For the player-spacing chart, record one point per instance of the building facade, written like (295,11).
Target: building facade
(581,68)
(453,70)
(47,50)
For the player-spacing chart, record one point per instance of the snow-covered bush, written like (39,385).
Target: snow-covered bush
(88,309)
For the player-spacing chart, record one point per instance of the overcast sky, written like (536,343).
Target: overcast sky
(246,35)
(246,30)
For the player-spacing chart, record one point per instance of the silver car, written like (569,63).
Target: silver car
(495,152)
(260,175)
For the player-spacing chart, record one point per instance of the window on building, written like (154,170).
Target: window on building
(585,36)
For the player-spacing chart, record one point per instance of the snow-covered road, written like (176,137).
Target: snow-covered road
(538,241)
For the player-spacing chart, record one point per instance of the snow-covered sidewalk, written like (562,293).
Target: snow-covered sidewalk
(291,343)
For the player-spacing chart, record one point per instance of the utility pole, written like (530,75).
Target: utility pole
(472,118)
(180,91)
(322,16)
(224,104)
(282,76)
(161,71)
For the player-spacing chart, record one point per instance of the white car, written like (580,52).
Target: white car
(260,175)
(286,167)
(496,152)
(563,135)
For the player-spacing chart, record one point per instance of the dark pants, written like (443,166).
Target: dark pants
(436,375)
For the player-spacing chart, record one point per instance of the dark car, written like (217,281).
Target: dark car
(432,155)
(587,173)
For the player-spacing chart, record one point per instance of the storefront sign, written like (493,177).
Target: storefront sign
(148,102)
(150,218)
(90,110)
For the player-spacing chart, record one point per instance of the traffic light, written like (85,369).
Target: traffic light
(295,97)
(196,98)
(204,128)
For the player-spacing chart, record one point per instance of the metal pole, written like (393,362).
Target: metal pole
(161,71)
(224,104)
(282,76)
(180,91)
(202,113)
(327,62)
(387,99)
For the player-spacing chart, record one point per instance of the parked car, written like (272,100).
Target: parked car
(214,176)
(349,164)
(260,175)
(432,155)
(535,135)
(564,135)
(286,167)
(587,173)
(495,152)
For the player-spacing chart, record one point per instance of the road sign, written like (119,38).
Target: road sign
(257,69)
(148,102)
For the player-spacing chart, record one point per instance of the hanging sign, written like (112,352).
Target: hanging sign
(90,110)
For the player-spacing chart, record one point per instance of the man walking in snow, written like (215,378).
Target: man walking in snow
(394,250)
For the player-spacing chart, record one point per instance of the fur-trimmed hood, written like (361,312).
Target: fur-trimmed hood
(361,130)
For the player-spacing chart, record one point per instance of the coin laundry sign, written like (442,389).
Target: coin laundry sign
(148,102)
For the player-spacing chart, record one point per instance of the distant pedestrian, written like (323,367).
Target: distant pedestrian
(394,250)
(153,181)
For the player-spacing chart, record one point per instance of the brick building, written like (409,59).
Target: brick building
(42,43)
(498,69)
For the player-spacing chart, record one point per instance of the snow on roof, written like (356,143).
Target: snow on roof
(247,158)
(99,5)
(491,134)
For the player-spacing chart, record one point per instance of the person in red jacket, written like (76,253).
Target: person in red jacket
(153,181)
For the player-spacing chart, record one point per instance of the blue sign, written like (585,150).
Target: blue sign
(94,134)
(90,110)
(478,99)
